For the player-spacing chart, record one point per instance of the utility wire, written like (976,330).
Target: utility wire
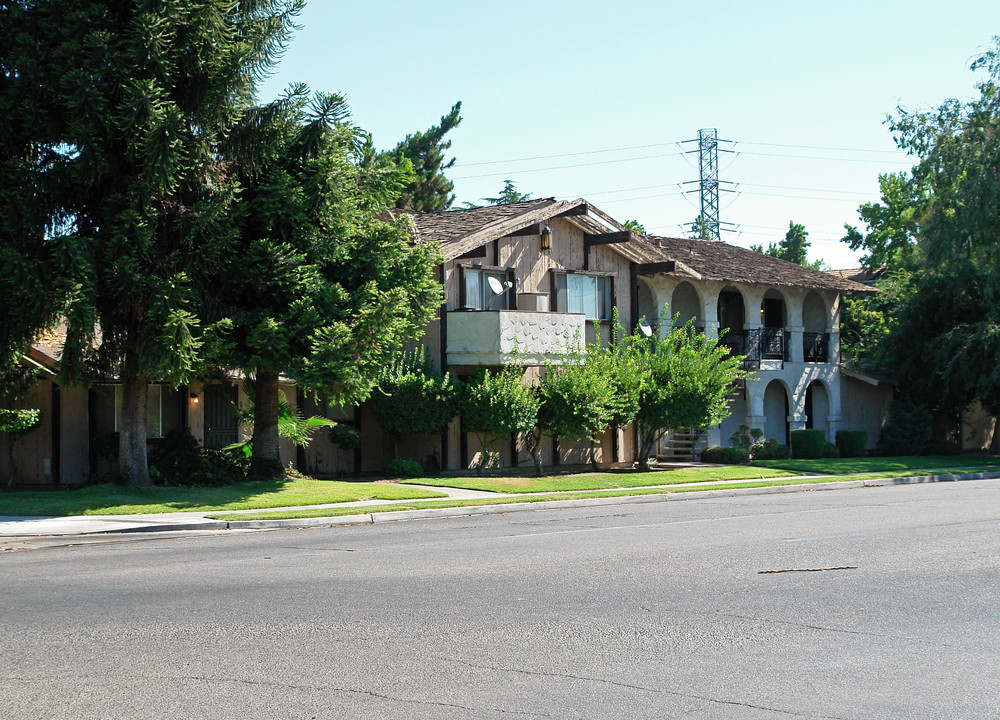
(566,167)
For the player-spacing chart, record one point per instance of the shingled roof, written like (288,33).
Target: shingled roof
(728,263)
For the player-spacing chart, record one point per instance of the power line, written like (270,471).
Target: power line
(559,155)
(567,167)
(820,157)
(815,147)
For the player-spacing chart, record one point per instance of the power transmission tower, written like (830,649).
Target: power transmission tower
(708,165)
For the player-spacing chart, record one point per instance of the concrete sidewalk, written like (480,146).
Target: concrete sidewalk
(11,527)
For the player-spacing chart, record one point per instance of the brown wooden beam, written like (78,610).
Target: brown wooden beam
(529,230)
(479,252)
(578,210)
(653,268)
(611,238)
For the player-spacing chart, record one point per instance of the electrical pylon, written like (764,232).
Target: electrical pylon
(708,164)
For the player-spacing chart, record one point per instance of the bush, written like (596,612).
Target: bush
(344,436)
(405,468)
(808,443)
(907,431)
(942,447)
(830,450)
(852,443)
(769,449)
(726,455)
(178,459)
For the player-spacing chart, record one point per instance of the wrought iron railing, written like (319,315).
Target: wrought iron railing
(816,347)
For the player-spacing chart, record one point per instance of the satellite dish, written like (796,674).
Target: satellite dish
(645,328)
(498,288)
(495,285)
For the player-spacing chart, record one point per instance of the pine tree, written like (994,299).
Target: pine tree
(134,99)
(428,190)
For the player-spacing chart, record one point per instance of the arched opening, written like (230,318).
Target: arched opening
(773,317)
(776,412)
(815,338)
(646,303)
(685,305)
(818,408)
(732,316)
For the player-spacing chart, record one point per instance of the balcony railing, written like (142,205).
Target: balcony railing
(816,347)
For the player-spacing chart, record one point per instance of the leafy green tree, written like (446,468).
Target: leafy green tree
(319,284)
(496,405)
(14,424)
(686,377)
(132,102)
(578,399)
(414,399)
(941,223)
(792,248)
(429,190)
(635,226)
(699,229)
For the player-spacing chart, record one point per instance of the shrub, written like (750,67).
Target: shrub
(769,449)
(405,468)
(178,459)
(942,447)
(726,455)
(344,436)
(808,443)
(830,450)
(852,443)
(907,431)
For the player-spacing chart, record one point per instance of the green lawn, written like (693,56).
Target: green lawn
(839,466)
(543,497)
(602,481)
(111,499)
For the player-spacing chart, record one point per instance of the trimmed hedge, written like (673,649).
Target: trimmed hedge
(830,450)
(852,443)
(405,468)
(807,443)
(726,455)
(769,449)
(942,447)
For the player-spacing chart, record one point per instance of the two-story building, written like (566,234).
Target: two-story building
(522,283)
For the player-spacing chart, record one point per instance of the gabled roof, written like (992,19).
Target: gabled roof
(728,263)
(861,275)
(459,231)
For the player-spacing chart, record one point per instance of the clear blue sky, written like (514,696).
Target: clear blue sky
(574,79)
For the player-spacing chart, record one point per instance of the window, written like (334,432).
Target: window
(587,294)
(479,292)
(157,410)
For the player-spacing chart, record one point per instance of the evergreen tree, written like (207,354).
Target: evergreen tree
(508,195)
(318,284)
(428,190)
(131,102)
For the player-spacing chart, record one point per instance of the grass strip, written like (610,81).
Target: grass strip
(617,492)
(110,499)
(842,466)
(604,480)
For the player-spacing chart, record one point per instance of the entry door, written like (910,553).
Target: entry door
(221,422)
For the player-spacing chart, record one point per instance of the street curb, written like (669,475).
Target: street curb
(165,527)
(477,510)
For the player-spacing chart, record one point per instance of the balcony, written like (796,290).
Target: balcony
(495,337)
(816,347)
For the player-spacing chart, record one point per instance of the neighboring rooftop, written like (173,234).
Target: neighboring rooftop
(861,275)
(728,263)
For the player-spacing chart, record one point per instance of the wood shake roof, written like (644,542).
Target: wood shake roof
(728,263)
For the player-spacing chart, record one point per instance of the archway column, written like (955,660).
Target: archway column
(796,351)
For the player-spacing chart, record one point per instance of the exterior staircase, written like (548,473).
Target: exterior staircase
(679,445)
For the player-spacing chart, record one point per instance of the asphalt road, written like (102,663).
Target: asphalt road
(662,610)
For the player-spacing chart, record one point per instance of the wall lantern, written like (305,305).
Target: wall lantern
(546,237)
(194,398)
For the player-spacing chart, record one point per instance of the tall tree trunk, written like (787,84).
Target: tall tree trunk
(132,464)
(265,461)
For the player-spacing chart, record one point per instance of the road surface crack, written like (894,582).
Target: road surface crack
(630,686)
